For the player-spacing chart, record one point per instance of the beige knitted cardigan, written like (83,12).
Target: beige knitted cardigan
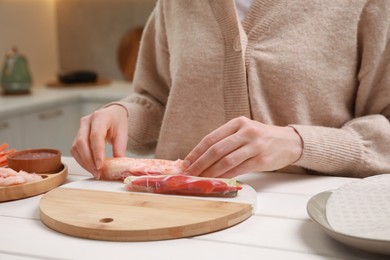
(320,66)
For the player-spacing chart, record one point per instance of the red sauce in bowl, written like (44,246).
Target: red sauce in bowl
(35,160)
(34,155)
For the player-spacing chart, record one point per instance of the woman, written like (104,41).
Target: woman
(296,86)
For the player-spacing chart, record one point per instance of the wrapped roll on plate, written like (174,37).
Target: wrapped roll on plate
(183,185)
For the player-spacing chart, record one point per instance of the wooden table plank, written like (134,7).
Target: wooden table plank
(25,237)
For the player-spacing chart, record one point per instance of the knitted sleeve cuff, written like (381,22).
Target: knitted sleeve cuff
(330,150)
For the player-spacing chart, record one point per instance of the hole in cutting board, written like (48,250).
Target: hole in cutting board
(106,220)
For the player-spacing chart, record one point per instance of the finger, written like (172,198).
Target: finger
(119,141)
(80,148)
(90,167)
(230,161)
(205,144)
(211,139)
(97,141)
(214,154)
(245,167)
(82,155)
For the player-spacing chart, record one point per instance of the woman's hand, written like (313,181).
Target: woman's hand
(107,124)
(243,145)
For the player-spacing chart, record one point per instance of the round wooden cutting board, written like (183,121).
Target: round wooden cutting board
(129,216)
(30,189)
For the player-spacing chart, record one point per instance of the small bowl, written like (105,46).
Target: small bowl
(36,161)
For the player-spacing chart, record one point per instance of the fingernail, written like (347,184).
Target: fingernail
(98,164)
(96,174)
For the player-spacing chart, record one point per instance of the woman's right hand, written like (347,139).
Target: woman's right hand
(107,124)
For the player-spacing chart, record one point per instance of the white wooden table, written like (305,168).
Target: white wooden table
(279,229)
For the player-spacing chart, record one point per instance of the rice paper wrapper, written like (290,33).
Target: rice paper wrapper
(362,208)
(183,185)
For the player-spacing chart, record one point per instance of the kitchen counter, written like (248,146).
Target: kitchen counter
(279,229)
(33,120)
(42,97)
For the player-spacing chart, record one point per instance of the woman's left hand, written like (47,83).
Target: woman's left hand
(243,145)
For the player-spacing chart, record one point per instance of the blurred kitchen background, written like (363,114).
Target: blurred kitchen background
(61,36)
(64,35)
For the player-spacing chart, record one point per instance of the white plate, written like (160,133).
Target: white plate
(316,208)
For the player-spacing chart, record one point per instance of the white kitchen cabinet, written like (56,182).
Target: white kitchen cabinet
(50,117)
(11,132)
(54,127)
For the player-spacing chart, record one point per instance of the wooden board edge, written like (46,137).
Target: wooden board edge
(176,232)
(30,189)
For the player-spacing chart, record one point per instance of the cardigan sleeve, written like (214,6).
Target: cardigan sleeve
(361,147)
(146,105)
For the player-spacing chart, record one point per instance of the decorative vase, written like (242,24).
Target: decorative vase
(15,77)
